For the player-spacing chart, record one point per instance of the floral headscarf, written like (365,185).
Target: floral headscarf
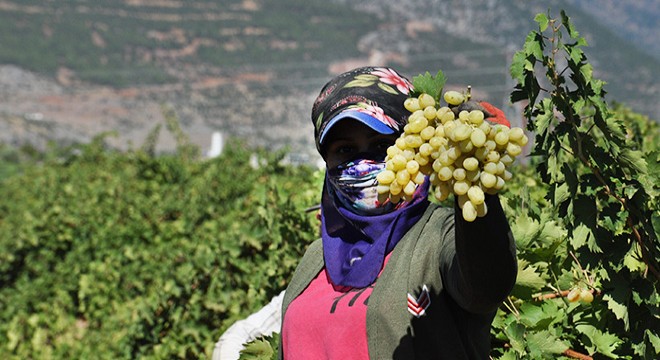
(373,95)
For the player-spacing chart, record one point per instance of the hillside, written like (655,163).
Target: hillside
(251,68)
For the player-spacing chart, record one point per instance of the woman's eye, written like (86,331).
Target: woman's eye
(344,149)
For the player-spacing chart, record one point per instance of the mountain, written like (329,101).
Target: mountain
(71,69)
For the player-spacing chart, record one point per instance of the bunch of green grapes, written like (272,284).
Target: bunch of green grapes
(462,154)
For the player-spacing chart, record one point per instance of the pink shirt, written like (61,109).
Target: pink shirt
(327,322)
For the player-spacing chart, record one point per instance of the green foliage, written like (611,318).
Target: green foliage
(596,226)
(262,348)
(128,255)
(429,84)
(131,255)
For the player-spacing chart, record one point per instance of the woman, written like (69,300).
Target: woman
(411,280)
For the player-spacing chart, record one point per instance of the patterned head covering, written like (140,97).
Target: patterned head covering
(372,95)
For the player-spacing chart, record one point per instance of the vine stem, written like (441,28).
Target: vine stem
(576,355)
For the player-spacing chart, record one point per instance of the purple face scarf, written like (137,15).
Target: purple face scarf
(355,246)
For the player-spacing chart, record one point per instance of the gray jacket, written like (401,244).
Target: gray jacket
(467,268)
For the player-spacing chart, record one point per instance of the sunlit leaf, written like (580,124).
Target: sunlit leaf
(604,342)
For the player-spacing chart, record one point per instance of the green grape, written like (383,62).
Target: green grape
(437,141)
(427,133)
(513,149)
(454,97)
(476,117)
(488,180)
(425,149)
(421,159)
(481,153)
(502,137)
(499,185)
(444,159)
(410,188)
(399,162)
(419,177)
(469,211)
(453,153)
(459,174)
(490,168)
(482,209)
(586,296)
(466,146)
(386,177)
(506,159)
(471,163)
(408,154)
(402,177)
(476,195)
(447,117)
(461,132)
(459,154)
(464,116)
(461,187)
(426,100)
(516,134)
(493,156)
(473,175)
(461,200)
(442,192)
(430,112)
(393,150)
(573,295)
(500,168)
(478,137)
(411,104)
(383,189)
(445,173)
(401,143)
(413,141)
(412,166)
(417,125)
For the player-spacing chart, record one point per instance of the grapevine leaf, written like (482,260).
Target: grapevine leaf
(544,342)
(429,84)
(654,340)
(631,260)
(539,316)
(528,280)
(585,212)
(259,349)
(560,193)
(566,21)
(508,355)
(618,309)
(633,159)
(545,117)
(603,342)
(534,48)
(516,334)
(525,230)
(586,70)
(516,69)
(542,20)
(580,235)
